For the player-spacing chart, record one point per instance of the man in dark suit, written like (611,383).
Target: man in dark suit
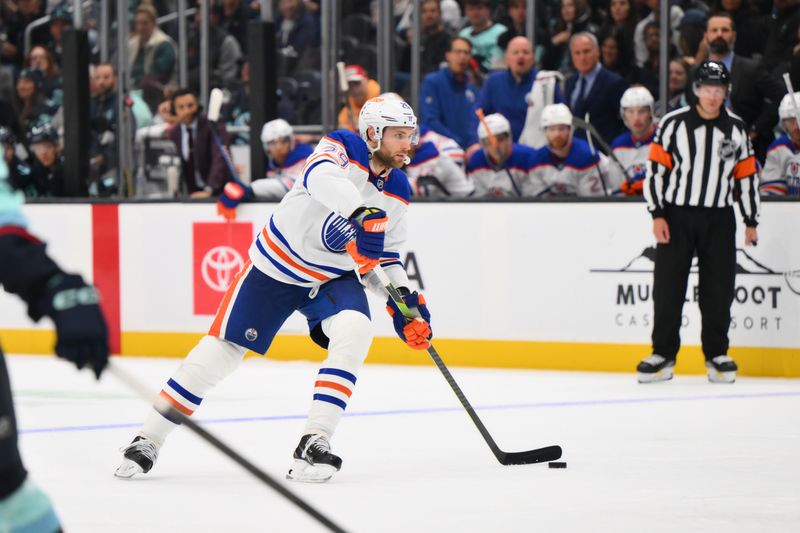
(755,94)
(594,89)
(205,172)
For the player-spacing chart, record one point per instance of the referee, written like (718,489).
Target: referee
(701,161)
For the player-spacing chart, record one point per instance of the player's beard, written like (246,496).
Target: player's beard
(384,158)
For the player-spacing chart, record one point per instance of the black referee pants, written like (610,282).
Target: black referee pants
(12,473)
(710,234)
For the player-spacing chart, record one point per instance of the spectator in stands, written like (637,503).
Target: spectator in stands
(749,23)
(622,16)
(574,17)
(152,53)
(236,110)
(501,168)
(32,106)
(648,74)
(233,18)
(505,91)
(435,40)
(516,22)
(204,171)
(692,31)
(296,30)
(433,174)
(448,99)
(631,149)
(361,88)
(782,35)
(679,71)
(616,56)
(483,33)
(60,20)
(566,166)
(41,59)
(754,93)
(26,12)
(675,16)
(594,89)
(103,116)
(781,174)
(223,50)
(19,171)
(47,166)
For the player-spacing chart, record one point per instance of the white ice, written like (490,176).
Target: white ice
(682,456)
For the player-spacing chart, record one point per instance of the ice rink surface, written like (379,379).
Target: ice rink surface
(682,456)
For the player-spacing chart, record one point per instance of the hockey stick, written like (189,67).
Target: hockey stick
(585,125)
(345,88)
(787,80)
(214,107)
(493,144)
(597,164)
(135,385)
(539,455)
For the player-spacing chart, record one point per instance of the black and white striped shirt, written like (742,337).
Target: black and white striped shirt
(702,163)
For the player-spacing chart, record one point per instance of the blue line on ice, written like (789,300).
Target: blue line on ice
(429,410)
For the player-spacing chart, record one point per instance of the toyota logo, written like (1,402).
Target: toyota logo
(219,266)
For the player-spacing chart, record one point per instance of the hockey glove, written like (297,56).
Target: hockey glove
(232,195)
(81,331)
(366,248)
(416,332)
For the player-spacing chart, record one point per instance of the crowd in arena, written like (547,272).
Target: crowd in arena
(500,116)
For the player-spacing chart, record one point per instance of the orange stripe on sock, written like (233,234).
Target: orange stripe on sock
(174,403)
(283,255)
(214,331)
(334,386)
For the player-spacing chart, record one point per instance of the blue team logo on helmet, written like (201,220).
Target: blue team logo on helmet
(336,232)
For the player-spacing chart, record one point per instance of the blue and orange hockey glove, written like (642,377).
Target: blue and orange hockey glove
(416,332)
(234,193)
(366,248)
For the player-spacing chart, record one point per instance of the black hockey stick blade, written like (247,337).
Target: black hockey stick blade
(540,455)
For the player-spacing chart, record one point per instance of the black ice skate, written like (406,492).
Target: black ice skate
(721,369)
(138,457)
(655,368)
(313,460)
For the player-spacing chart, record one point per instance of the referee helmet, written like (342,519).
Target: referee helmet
(711,73)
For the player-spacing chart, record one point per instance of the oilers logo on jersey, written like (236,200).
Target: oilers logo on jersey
(336,233)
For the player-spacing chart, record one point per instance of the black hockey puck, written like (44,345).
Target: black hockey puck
(557,464)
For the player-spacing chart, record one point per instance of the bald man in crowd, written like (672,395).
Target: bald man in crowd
(504,91)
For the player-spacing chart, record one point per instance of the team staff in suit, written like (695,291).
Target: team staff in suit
(594,89)
(204,172)
(755,94)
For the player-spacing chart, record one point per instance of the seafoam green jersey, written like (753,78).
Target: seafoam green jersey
(10,200)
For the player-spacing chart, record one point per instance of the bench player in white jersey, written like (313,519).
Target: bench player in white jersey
(435,175)
(632,148)
(781,173)
(285,160)
(446,146)
(501,168)
(566,166)
(345,214)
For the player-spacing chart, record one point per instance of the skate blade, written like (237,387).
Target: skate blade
(662,375)
(306,473)
(721,377)
(128,469)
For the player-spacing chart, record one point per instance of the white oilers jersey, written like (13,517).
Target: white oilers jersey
(446,146)
(575,175)
(510,180)
(280,178)
(433,175)
(781,173)
(303,243)
(634,154)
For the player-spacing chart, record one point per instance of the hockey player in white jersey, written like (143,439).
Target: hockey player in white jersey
(285,160)
(445,145)
(344,215)
(501,168)
(566,166)
(781,173)
(632,148)
(435,175)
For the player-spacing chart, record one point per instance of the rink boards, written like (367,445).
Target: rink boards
(516,285)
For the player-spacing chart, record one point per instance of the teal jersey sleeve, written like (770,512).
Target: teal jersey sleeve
(10,200)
